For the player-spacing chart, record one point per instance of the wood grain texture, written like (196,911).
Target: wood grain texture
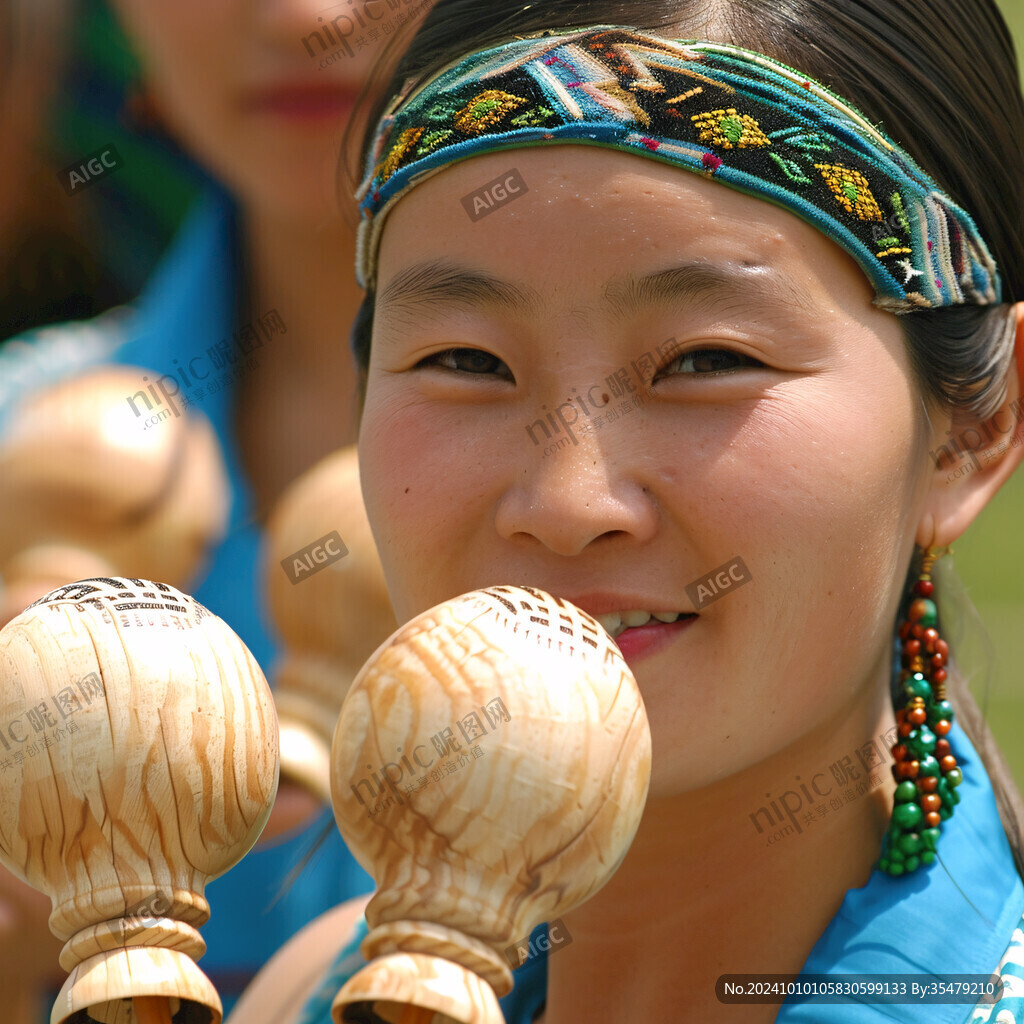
(82,474)
(148,767)
(330,622)
(531,810)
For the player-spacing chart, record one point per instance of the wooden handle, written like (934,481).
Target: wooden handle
(148,766)
(332,613)
(152,1010)
(490,769)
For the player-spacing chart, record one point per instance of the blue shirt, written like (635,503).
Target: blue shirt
(912,925)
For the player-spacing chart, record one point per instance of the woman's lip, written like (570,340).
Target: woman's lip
(642,641)
(301,101)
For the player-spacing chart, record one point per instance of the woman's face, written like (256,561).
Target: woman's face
(782,428)
(260,92)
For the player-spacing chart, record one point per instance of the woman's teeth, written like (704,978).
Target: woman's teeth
(615,623)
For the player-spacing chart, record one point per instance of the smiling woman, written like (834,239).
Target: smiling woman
(746,230)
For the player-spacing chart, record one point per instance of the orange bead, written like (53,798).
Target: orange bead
(942,748)
(931,636)
(908,769)
(912,648)
(928,784)
(917,630)
(942,727)
(948,763)
(931,802)
(905,729)
(932,819)
(917,715)
(899,752)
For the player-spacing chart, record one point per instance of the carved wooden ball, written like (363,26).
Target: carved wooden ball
(534,801)
(138,743)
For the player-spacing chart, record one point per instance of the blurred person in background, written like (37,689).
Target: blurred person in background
(259,94)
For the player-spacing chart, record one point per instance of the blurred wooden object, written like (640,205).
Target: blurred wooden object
(540,752)
(90,486)
(148,766)
(331,620)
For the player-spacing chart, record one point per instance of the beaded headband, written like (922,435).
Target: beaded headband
(729,114)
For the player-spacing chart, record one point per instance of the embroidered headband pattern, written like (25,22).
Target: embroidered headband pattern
(729,114)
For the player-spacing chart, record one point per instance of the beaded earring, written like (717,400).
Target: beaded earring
(925,769)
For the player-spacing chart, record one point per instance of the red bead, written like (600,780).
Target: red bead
(938,660)
(899,752)
(941,647)
(928,783)
(931,635)
(939,675)
(941,728)
(932,819)
(904,630)
(924,587)
(942,748)
(917,715)
(948,763)
(917,630)
(905,729)
(931,802)
(912,648)
(907,769)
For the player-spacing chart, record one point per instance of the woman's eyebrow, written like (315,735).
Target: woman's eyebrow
(708,285)
(448,284)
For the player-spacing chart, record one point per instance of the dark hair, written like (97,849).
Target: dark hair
(940,77)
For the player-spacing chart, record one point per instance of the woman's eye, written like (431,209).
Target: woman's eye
(469,360)
(708,361)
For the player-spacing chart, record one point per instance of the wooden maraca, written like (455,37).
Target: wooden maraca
(138,743)
(331,619)
(93,484)
(534,729)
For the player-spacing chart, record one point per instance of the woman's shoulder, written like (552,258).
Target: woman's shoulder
(301,972)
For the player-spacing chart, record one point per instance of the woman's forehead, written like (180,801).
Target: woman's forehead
(563,214)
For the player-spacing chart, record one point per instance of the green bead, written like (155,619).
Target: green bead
(905,791)
(910,843)
(930,838)
(928,766)
(928,857)
(917,686)
(945,793)
(931,613)
(883,865)
(954,798)
(941,709)
(945,813)
(921,742)
(954,778)
(895,869)
(906,816)
(896,854)
(912,863)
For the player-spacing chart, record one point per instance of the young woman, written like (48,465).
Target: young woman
(640,307)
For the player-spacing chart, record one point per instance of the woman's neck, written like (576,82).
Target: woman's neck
(723,880)
(298,404)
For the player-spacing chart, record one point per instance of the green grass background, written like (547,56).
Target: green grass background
(990,561)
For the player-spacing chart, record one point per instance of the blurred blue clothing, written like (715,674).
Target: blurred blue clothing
(179,321)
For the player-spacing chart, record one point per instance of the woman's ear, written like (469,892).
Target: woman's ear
(973,458)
